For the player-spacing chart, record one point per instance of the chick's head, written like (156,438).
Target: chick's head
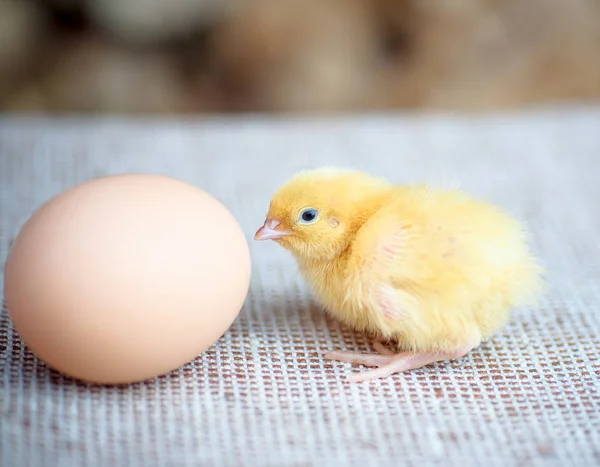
(316,213)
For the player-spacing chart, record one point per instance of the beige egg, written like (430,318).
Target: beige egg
(127,277)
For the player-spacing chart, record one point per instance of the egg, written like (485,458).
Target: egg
(125,278)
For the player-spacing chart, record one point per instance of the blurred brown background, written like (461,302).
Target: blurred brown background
(182,56)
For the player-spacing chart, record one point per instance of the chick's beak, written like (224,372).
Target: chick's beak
(268,232)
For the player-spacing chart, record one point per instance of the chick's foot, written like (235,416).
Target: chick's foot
(388,363)
(383,358)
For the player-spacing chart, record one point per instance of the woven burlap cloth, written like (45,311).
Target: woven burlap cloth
(263,395)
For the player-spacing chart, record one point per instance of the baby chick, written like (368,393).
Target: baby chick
(432,270)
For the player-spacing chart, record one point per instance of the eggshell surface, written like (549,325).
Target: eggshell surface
(127,277)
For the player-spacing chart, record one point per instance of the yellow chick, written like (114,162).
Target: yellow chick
(434,271)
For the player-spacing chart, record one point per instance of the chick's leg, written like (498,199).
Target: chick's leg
(388,363)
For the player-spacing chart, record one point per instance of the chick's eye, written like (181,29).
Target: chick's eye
(308,215)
